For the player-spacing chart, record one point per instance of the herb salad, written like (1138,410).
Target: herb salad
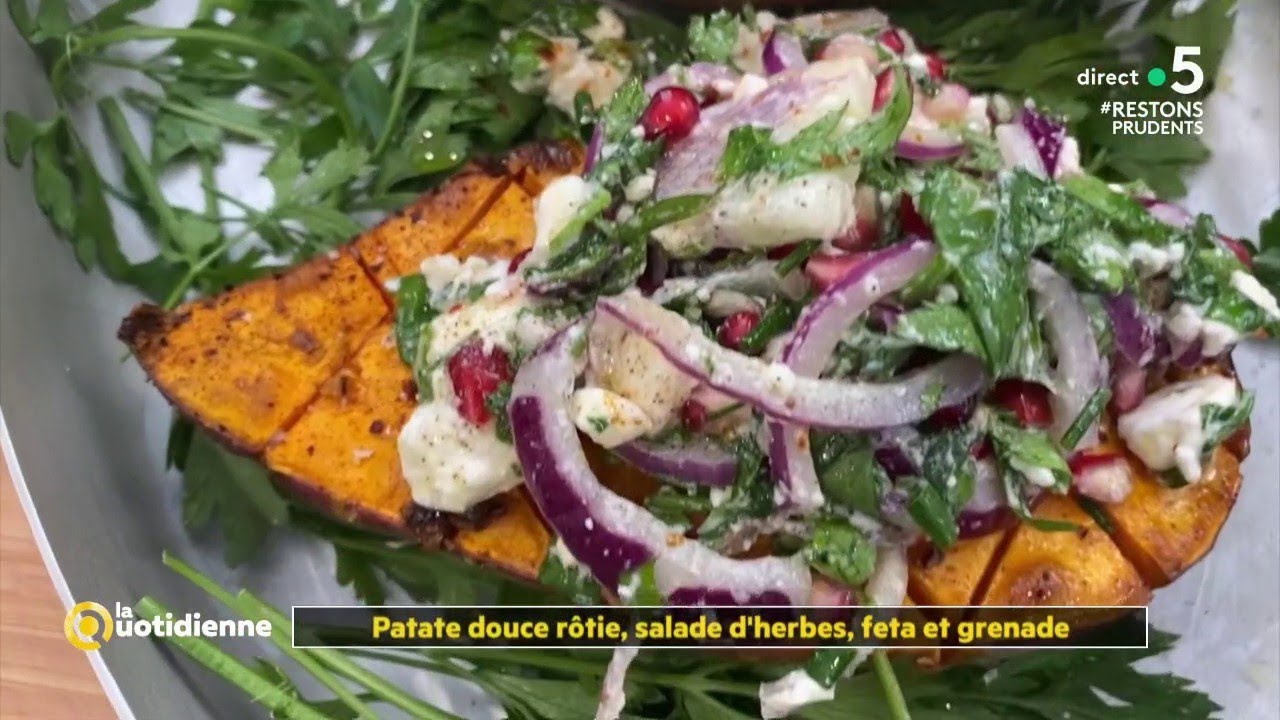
(827,292)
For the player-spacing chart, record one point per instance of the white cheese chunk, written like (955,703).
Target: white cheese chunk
(792,691)
(1150,261)
(449,463)
(853,95)
(1184,324)
(607,417)
(559,201)
(1165,431)
(508,321)
(1248,286)
(630,366)
(608,26)
(571,70)
(764,212)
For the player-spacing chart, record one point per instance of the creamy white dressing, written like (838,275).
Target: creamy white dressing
(1150,260)
(763,212)
(1185,325)
(631,367)
(1166,432)
(555,206)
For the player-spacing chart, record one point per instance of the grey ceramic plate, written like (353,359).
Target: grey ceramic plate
(88,433)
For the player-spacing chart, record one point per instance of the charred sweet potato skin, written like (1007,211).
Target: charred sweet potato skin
(245,363)
(953,577)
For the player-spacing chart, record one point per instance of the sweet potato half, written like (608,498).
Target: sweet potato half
(300,370)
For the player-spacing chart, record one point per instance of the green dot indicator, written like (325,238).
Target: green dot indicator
(1156,77)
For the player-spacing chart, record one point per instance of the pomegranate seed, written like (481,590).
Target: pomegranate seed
(518,260)
(910,221)
(884,88)
(781,251)
(824,269)
(892,39)
(952,415)
(866,227)
(1092,458)
(1239,248)
(982,449)
(736,327)
(936,66)
(1027,400)
(693,415)
(671,114)
(475,375)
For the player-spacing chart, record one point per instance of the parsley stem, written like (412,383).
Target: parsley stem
(218,37)
(402,84)
(140,168)
(263,691)
(208,118)
(180,289)
(892,690)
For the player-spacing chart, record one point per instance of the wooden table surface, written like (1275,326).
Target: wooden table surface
(41,676)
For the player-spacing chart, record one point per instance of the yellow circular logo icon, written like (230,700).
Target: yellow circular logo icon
(88,626)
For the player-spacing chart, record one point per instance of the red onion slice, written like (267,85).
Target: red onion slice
(817,332)
(594,148)
(1080,370)
(702,78)
(1134,330)
(605,532)
(782,51)
(774,387)
(1018,149)
(928,144)
(1047,135)
(1167,213)
(697,463)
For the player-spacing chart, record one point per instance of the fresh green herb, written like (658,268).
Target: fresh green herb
(841,551)
(829,664)
(931,511)
(1266,262)
(941,327)
(1205,281)
(1089,414)
(1099,514)
(678,506)
(642,586)
(569,581)
(778,318)
(796,257)
(848,471)
(822,144)
(496,403)
(1028,458)
(236,490)
(413,315)
(751,495)
(1220,423)
(712,38)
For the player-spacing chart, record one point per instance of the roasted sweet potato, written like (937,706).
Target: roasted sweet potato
(1077,567)
(301,370)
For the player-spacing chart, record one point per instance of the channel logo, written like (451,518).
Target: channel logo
(88,626)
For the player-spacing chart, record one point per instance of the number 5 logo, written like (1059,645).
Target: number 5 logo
(1181,62)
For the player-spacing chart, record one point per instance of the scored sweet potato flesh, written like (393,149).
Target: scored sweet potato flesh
(301,370)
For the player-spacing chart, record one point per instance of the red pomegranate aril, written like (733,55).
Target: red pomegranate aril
(982,449)
(693,415)
(671,114)
(977,524)
(910,221)
(884,89)
(935,66)
(866,226)
(736,327)
(892,39)
(475,375)
(952,415)
(1128,389)
(1238,247)
(781,251)
(518,260)
(1027,400)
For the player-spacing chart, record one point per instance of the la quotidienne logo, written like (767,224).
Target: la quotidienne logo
(89,625)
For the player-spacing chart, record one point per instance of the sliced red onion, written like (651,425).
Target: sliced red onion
(605,532)
(702,78)
(1134,330)
(776,389)
(1047,135)
(973,524)
(814,339)
(1079,371)
(1167,213)
(782,51)
(825,269)
(1128,388)
(923,143)
(1018,149)
(594,147)
(696,463)
(1102,475)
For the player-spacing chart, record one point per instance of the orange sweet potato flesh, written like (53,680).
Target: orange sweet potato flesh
(1077,567)
(301,370)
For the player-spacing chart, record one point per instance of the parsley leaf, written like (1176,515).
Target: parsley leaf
(235,490)
(1266,263)
(712,38)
